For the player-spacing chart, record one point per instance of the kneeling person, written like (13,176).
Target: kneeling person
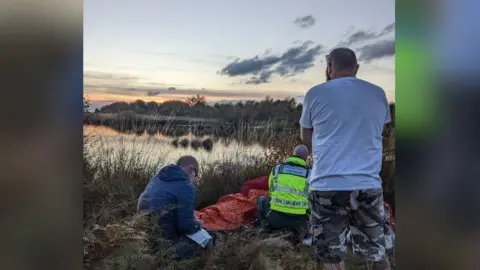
(288,206)
(170,198)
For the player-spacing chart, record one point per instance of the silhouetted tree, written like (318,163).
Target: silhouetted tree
(192,101)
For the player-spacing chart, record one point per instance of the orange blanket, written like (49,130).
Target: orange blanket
(231,211)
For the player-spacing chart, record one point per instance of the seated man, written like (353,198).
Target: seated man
(288,207)
(170,196)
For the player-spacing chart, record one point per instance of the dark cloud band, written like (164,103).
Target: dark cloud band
(362,35)
(381,49)
(294,61)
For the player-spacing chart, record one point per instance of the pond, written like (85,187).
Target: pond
(104,142)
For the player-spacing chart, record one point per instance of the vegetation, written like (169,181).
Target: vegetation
(194,116)
(115,237)
(250,111)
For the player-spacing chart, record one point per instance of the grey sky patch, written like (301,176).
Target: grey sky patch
(381,49)
(305,21)
(122,81)
(131,66)
(192,57)
(148,91)
(294,61)
(363,35)
(97,75)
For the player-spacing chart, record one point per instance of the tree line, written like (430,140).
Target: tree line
(286,111)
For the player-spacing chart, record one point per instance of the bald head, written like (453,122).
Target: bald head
(342,59)
(187,162)
(301,151)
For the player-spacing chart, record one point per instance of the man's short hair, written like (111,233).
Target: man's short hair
(301,151)
(342,59)
(187,161)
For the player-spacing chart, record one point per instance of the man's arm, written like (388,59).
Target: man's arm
(388,116)
(306,136)
(306,124)
(185,212)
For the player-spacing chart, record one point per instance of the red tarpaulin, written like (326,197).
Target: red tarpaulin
(234,210)
(231,211)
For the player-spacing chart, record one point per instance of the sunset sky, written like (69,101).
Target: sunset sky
(229,50)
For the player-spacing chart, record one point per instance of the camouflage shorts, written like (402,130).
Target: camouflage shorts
(334,213)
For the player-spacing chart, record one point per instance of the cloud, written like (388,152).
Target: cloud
(381,49)
(114,90)
(152,93)
(262,78)
(211,93)
(253,65)
(97,75)
(305,21)
(362,35)
(294,61)
(389,28)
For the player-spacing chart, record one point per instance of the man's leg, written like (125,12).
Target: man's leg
(368,239)
(329,219)
(299,228)
(186,249)
(263,207)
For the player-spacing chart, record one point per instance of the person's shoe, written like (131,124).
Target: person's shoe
(218,239)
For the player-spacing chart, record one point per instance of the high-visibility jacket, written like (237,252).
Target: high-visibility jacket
(288,187)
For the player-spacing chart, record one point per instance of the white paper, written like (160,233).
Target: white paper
(202,237)
(307,241)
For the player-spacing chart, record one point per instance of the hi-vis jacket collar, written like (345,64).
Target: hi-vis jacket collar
(296,160)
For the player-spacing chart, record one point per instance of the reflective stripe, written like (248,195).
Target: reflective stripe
(275,174)
(290,203)
(289,169)
(293,191)
(295,170)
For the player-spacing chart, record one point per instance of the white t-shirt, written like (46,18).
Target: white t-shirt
(347,116)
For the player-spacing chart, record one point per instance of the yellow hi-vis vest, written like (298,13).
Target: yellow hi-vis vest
(288,187)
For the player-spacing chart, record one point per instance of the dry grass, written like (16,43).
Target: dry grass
(116,237)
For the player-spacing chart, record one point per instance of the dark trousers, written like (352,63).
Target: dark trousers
(185,248)
(274,220)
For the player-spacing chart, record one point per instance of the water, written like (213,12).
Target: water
(104,142)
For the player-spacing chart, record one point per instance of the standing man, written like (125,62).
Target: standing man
(342,122)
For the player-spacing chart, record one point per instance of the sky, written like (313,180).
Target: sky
(229,50)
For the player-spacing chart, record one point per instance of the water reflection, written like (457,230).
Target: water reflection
(101,141)
(244,132)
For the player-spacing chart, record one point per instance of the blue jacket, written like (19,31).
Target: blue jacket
(171,194)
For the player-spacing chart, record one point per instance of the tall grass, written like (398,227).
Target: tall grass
(117,168)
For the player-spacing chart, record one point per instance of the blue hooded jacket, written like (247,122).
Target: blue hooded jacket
(171,194)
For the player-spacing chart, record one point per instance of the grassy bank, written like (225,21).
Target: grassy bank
(115,237)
